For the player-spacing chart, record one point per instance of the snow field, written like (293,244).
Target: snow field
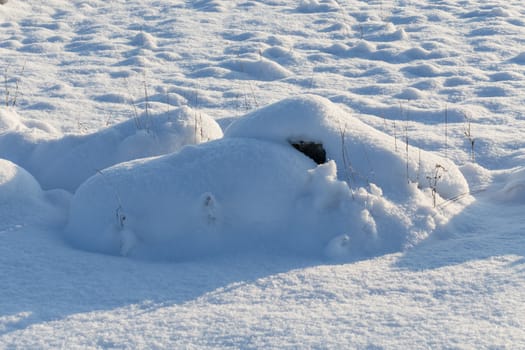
(91,85)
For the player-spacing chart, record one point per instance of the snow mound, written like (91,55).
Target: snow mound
(22,201)
(145,41)
(9,120)
(16,184)
(65,161)
(363,154)
(233,194)
(261,69)
(252,190)
(312,6)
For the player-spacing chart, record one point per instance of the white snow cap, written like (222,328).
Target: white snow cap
(253,190)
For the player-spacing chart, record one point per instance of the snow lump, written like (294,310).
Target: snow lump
(253,191)
(65,161)
(22,201)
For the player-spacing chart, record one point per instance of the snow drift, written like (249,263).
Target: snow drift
(252,190)
(65,161)
(363,154)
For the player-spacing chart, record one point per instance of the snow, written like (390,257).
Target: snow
(65,161)
(252,189)
(150,196)
(21,196)
(356,147)
(225,193)
(512,186)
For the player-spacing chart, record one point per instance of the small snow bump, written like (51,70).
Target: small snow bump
(210,72)
(145,41)
(282,55)
(513,190)
(363,47)
(337,27)
(110,98)
(262,69)
(338,248)
(9,120)
(500,12)
(491,91)
(457,81)
(210,6)
(488,13)
(167,56)
(519,59)
(337,49)
(505,76)
(410,94)
(11,44)
(400,34)
(415,53)
(422,70)
(313,6)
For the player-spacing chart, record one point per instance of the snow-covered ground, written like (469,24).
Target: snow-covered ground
(150,195)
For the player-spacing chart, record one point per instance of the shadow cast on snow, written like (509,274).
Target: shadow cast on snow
(45,289)
(483,230)
(50,281)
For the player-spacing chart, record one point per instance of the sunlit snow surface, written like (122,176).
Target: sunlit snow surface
(410,236)
(252,190)
(65,161)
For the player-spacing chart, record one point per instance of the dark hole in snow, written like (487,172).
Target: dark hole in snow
(313,150)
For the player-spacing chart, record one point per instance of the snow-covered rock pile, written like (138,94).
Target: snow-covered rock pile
(252,190)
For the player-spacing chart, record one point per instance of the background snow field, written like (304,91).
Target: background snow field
(150,195)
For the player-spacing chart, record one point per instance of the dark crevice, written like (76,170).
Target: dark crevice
(313,150)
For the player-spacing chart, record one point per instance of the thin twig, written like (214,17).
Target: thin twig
(146,100)
(446,131)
